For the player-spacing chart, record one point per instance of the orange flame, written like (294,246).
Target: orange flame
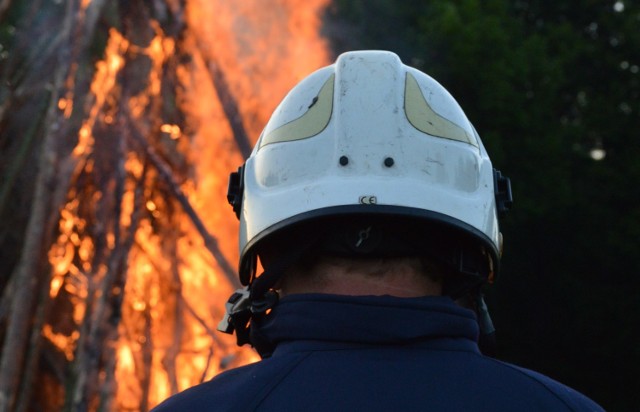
(175,290)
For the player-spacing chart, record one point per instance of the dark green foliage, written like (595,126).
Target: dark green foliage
(545,83)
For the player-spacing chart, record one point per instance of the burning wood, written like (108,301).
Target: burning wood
(129,250)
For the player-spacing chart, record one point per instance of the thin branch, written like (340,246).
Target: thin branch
(35,343)
(230,106)
(18,160)
(147,358)
(164,170)
(206,366)
(169,359)
(108,386)
(202,323)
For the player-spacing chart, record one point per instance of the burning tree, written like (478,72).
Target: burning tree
(119,124)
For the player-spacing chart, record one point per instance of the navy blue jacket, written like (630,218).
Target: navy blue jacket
(376,353)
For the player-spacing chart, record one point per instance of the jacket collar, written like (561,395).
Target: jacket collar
(369,320)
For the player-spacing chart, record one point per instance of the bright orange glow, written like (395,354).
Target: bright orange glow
(65,343)
(173,289)
(56,283)
(171,129)
(66,105)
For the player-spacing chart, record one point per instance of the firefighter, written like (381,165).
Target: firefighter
(372,207)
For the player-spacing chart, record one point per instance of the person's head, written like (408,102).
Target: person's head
(369,160)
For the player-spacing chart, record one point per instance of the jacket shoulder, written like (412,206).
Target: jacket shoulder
(574,400)
(235,390)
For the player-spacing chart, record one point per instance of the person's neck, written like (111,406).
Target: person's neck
(340,280)
(366,285)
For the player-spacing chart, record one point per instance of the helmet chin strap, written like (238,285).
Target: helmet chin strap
(487,338)
(248,306)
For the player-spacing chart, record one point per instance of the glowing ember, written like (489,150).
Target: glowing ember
(172,130)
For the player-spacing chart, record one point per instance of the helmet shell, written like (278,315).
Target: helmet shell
(367,135)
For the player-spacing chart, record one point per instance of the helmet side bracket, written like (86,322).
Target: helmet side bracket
(235,190)
(504,196)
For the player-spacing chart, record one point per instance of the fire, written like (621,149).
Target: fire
(136,249)
(172,130)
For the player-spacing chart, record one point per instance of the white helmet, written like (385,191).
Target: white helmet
(366,136)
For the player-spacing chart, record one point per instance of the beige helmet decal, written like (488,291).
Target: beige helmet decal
(423,118)
(312,122)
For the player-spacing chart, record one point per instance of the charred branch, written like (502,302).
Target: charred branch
(230,107)
(207,365)
(147,357)
(164,170)
(19,159)
(202,323)
(169,359)
(35,345)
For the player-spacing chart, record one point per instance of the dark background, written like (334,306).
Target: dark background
(544,83)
